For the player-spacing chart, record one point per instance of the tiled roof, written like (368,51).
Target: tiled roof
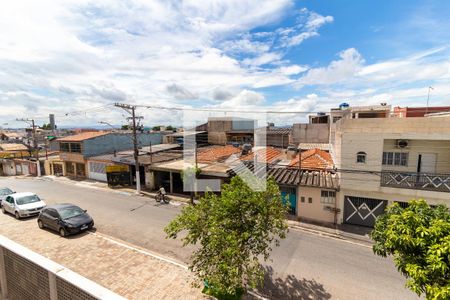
(292,176)
(83,136)
(313,159)
(216,153)
(274,130)
(271,155)
(13,147)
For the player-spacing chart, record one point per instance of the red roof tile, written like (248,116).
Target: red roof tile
(213,154)
(314,159)
(271,155)
(82,136)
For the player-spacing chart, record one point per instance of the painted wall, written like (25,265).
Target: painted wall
(314,211)
(116,141)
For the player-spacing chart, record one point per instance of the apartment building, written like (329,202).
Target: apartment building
(382,160)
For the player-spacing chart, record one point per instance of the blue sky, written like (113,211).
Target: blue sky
(64,56)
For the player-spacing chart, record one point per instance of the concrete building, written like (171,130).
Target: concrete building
(383,160)
(274,136)
(412,112)
(224,130)
(76,149)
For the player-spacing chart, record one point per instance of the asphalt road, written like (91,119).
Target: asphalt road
(305,266)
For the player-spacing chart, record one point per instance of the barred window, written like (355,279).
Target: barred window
(361,157)
(328,197)
(395,158)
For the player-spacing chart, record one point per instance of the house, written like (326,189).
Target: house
(76,149)
(147,155)
(311,190)
(225,130)
(383,160)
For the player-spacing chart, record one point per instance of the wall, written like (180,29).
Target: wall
(97,170)
(313,211)
(25,274)
(310,133)
(116,141)
(416,147)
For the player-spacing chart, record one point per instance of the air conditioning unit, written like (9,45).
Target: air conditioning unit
(402,144)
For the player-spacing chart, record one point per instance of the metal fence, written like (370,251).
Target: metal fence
(25,274)
(416,181)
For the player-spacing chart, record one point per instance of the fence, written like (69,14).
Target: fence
(25,274)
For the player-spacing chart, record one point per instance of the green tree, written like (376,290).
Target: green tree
(156,128)
(234,231)
(125,127)
(418,238)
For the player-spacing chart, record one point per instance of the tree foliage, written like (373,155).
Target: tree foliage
(418,238)
(234,230)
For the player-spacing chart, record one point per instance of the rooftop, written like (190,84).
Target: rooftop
(13,147)
(267,154)
(313,159)
(321,146)
(216,153)
(83,136)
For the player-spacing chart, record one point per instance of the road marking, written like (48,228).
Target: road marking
(113,240)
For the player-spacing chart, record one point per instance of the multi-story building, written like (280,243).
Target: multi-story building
(224,130)
(382,160)
(76,149)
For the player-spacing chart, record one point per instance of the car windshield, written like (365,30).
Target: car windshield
(27,199)
(70,212)
(5,191)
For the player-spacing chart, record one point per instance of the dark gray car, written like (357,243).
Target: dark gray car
(4,191)
(65,218)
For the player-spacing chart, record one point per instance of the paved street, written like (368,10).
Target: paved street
(304,266)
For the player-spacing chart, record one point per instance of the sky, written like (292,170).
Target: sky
(76,58)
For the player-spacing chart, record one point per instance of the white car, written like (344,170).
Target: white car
(22,205)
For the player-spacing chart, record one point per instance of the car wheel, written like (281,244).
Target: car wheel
(3,210)
(16,214)
(40,224)
(62,232)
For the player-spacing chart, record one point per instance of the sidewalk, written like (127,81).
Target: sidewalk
(131,272)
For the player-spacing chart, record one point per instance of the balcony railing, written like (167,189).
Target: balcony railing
(416,181)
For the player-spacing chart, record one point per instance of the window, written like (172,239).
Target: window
(302,199)
(70,169)
(64,147)
(395,158)
(309,200)
(328,197)
(52,213)
(361,157)
(75,147)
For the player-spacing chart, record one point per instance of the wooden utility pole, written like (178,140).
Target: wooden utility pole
(35,143)
(131,109)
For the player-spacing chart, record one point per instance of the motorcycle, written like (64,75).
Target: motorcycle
(160,197)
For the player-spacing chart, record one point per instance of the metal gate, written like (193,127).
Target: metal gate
(362,211)
(289,195)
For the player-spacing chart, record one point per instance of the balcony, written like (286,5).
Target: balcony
(416,181)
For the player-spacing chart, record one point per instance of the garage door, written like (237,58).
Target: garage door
(362,211)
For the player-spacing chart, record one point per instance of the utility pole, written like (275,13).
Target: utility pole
(428,98)
(131,109)
(35,143)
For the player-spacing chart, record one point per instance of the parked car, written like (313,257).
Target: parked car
(65,218)
(5,192)
(22,205)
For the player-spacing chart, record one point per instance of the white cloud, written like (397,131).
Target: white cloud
(350,61)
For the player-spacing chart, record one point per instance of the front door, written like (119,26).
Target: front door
(289,196)
(362,211)
(427,163)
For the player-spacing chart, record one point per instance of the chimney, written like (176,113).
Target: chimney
(291,152)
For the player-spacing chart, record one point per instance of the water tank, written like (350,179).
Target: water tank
(344,105)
